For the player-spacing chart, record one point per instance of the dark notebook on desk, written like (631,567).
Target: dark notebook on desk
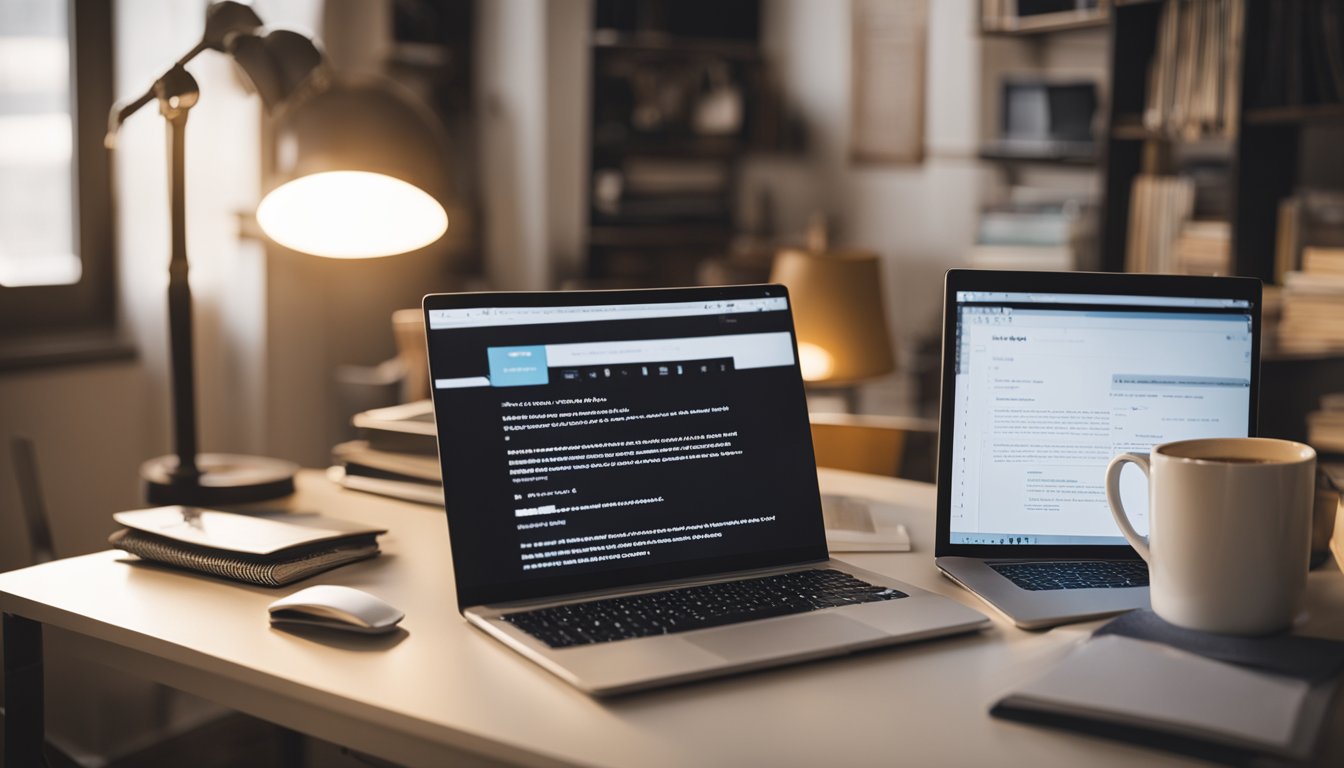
(1046,376)
(631,493)
(1218,697)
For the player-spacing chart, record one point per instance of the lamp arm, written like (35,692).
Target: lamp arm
(224,22)
(120,112)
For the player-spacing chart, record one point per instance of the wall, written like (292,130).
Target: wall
(511,92)
(920,218)
(532,70)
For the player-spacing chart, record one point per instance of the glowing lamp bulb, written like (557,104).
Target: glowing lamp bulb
(351,215)
(816,363)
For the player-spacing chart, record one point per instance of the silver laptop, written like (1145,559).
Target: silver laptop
(631,493)
(1046,376)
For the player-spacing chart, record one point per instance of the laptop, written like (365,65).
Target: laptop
(1046,376)
(631,492)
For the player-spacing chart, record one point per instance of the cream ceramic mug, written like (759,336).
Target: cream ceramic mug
(1229,530)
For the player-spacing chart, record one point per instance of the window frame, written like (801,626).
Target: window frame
(56,323)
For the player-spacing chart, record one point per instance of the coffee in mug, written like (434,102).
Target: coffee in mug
(1229,530)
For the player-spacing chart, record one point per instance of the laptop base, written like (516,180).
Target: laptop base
(1042,609)
(624,666)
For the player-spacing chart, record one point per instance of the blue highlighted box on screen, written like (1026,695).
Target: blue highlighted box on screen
(517,366)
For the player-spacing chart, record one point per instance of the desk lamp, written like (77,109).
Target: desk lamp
(360,173)
(838,315)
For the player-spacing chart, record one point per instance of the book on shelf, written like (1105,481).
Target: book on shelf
(1049,258)
(1035,229)
(1312,320)
(1159,207)
(1325,427)
(266,551)
(1309,219)
(1323,261)
(1193,77)
(1203,248)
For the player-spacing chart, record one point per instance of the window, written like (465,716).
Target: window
(56,244)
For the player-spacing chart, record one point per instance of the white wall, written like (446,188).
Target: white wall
(569,26)
(920,218)
(532,81)
(511,105)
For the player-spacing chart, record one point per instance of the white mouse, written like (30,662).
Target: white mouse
(328,605)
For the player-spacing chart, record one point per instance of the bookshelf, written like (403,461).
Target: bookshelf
(1283,136)
(1283,94)
(1043,78)
(676,101)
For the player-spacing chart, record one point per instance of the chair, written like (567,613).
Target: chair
(892,446)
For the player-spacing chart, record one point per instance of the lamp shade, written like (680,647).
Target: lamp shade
(838,314)
(361,170)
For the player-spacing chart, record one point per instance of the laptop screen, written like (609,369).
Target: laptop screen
(1047,386)
(596,440)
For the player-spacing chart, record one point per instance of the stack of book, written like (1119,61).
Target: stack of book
(1159,207)
(1204,248)
(1325,428)
(397,454)
(1036,229)
(1193,81)
(1313,305)
(1311,218)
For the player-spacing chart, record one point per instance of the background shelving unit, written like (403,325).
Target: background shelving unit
(1284,141)
(1270,156)
(663,187)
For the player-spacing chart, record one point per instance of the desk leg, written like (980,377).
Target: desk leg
(25,730)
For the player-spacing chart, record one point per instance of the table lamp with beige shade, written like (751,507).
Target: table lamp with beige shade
(838,315)
(843,341)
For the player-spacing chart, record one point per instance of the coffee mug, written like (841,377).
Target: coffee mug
(1229,530)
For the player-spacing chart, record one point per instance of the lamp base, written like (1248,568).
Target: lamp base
(225,479)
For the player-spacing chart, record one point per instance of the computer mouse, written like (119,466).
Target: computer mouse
(335,607)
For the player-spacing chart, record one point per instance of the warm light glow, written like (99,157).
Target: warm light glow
(351,215)
(817,364)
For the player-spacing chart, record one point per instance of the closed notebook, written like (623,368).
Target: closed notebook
(256,550)
(1152,694)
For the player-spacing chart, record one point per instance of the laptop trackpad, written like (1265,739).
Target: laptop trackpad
(785,637)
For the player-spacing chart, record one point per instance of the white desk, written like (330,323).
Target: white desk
(444,691)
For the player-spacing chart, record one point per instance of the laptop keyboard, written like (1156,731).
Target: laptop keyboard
(710,605)
(1097,574)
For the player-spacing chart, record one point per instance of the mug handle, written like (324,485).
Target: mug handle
(1113,498)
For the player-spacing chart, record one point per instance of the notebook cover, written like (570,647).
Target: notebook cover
(228,532)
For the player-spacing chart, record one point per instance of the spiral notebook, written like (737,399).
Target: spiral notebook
(256,550)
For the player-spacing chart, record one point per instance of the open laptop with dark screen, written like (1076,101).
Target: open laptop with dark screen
(1046,376)
(631,492)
